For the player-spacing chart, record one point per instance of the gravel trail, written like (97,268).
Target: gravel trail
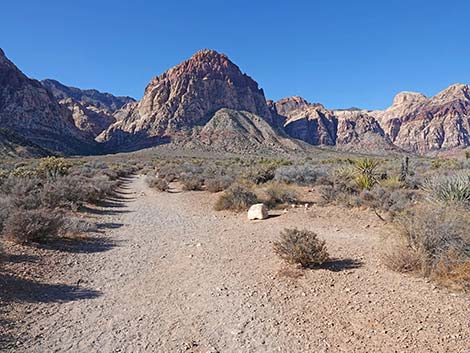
(184,278)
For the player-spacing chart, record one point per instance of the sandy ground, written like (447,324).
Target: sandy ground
(180,277)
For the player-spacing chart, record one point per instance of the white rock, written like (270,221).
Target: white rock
(258,211)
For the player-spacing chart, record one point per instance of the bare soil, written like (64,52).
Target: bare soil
(173,275)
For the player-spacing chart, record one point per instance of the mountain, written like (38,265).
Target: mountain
(185,97)
(423,125)
(352,130)
(88,97)
(30,111)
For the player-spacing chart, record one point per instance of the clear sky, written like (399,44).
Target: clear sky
(341,53)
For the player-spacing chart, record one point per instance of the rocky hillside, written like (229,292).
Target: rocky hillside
(13,145)
(239,131)
(346,129)
(420,124)
(88,97)
(185,97)
(31,112)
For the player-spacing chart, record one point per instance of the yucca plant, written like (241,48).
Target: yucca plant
(367,173)
(449,189)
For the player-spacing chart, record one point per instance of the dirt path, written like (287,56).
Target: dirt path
(184,278)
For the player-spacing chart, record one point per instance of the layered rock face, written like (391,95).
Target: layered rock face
(30,111)
(186,96)
(423,125)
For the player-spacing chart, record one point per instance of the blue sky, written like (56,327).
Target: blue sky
(340,53)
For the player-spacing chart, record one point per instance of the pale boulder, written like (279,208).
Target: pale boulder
(258,211)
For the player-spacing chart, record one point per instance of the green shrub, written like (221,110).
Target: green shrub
(53,167)
(301,247)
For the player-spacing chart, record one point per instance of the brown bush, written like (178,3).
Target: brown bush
(192,182)
(279,193)
(24,226)
(219,183)
(236,198)
(301,247)
(157,183)
(434,242)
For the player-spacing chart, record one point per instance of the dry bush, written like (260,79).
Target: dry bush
(218,183)
(434,242)
(279,193)
(299,174)
(236,198)
(73,225)
(157,183)
(192,182)
(24,226)
(301,247)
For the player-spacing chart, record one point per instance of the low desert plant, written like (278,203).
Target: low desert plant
(279,193)
(157,183)
(53,167)
(24,226)
(218,183)
(301,247)
(450,189)
(192,182)
(236,198)
(299,174)
(434,241)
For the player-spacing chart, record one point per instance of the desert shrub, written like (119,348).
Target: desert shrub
(389,200)
(299,174)
(434,241)
(450,189)
(74,225)
(279,193)
(192,182)
(24,193)
(301,247)
(157,183)
(236,198)
(392,182)
(259,174)
(25,226)
(53,167)
(218,183)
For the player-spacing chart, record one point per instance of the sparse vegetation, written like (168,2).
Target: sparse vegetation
(301,247)
(157,183)
(434,242)
(279,193)
(236,198)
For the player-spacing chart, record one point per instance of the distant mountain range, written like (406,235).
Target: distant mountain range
(207,102)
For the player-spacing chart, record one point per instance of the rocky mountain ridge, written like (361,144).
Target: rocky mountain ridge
(206,101)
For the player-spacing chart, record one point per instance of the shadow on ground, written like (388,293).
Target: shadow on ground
(337,265)
(16,289)
(84,245)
